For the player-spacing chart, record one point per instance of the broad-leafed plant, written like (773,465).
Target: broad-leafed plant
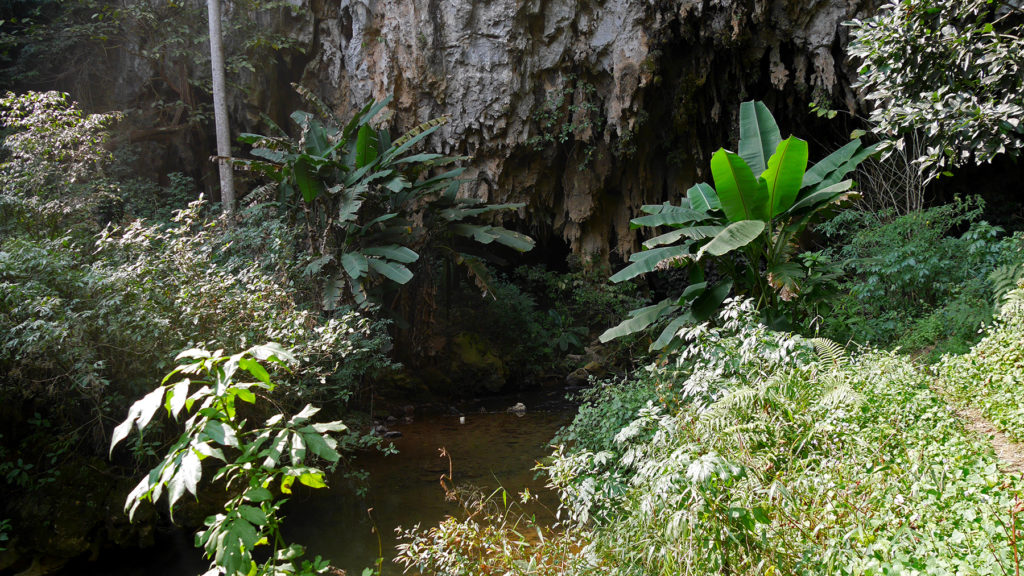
(256,461)
(370,204)
(748,223)
(945,74)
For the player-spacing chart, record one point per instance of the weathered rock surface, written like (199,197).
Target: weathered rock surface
(584,110)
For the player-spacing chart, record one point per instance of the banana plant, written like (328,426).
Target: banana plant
(369,203)
(763,198)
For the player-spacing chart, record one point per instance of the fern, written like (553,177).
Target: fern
(1005,279)
(840,395)
(1013,305)
(831,352)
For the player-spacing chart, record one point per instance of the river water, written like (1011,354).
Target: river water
(492,449)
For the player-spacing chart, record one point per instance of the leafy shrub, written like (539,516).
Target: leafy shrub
(52,158)
(945,73)
(911,280)
(257,460)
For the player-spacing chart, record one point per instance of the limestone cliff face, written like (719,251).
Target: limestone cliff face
(583,110)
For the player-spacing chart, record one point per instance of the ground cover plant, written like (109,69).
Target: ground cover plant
(991,376)
(756,452)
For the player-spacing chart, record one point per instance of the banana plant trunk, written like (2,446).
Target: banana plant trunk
(220,110)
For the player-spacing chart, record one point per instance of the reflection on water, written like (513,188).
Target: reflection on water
(491,449)
(488,451)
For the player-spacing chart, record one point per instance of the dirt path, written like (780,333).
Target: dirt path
(1010,453)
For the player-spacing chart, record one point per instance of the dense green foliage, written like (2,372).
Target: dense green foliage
(749,224)
(944,78)
(753,452)
(912,281)
(91,306)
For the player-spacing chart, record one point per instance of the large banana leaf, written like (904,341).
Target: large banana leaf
(485,234)
(639,320)
(743,196)
(815,198)
(694,232)
(308,184)
(734,236)
(707,302)
(366,146)
(683,206)
(648,260)
(394,272)
(830,163)
(703,198)
(674,217)
(669,333)
(785,174)
(393,252)
(759,135)
(355,264)
(847,167)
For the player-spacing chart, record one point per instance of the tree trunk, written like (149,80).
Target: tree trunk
(220,111)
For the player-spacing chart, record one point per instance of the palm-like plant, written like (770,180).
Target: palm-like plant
(370,205)
(763,198)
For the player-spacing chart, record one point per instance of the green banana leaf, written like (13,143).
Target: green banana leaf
(639,320)
(847,167)
(816,197)
(735,235)
(703,198)
(743,196)
(675,217)
(394,272)
(830,163)
(759,136)
(366,146)
(648,260)
(694,232)
(785,174)
(393,252)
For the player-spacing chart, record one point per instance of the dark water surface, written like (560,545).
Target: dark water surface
(492,449)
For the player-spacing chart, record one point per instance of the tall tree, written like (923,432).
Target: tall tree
(220,110)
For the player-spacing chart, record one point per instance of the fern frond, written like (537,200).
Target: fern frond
(831,352)
(721,414)
(416,130)
(1004,279)
(1013,304)
(840,395)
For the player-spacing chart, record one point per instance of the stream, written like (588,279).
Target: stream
(492,449)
